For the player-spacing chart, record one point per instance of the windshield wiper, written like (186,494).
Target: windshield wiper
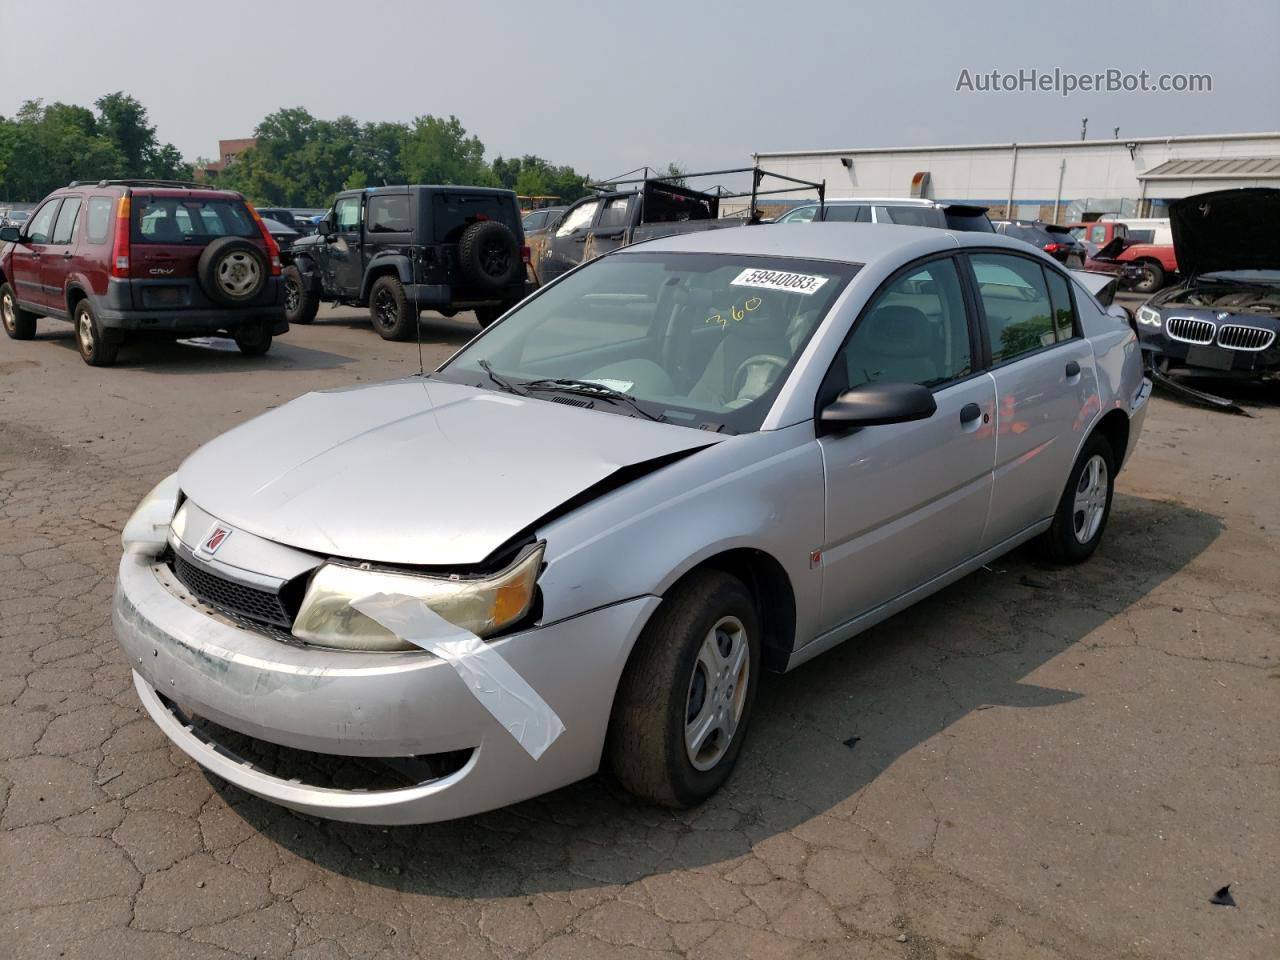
(505,384)
(589,388)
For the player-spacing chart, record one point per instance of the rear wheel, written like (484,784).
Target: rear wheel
(253,339)
(685,699)
(19,324)
(390,311)
(300,303)
(94,349)
(1084,507)
(1152,278)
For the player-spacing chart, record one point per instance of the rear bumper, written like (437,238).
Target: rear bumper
(428,296)
(370,705)
(116,313)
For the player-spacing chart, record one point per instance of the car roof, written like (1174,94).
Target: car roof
(845,242)
(877,201)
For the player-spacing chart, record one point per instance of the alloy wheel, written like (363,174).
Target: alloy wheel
(717,693)
(385,310)
(84,330)
(238,273)
(9,314)
(1091,500)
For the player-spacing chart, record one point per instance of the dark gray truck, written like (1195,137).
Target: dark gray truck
(656,207)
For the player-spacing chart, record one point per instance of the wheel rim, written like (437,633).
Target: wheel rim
(1091,500)
(84,330)
(495,260)
(292,296)
(384,309)
(6,308)
(717,693)
(238,273)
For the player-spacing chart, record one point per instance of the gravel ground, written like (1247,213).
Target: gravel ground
(1036,762)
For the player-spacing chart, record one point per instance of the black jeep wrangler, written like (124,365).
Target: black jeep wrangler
(401,250)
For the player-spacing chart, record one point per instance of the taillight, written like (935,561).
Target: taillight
(524,254)
(120,246)
(1052,247)
(273,248)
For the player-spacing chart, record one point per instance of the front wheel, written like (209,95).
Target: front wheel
(300,303)
(94,349)
(685,698)
(390,311)
(1084,507)
(19,324)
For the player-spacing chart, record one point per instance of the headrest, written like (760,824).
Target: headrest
(896,330)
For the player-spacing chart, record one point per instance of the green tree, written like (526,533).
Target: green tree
(124,122)
(440,151)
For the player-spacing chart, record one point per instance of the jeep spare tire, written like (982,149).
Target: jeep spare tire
(232,271)
(489,255)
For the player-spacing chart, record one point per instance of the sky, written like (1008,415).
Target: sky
(606,87)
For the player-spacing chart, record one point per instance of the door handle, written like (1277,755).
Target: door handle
(580,239)
(1073,369)
(66,254)
(970,412)
(609,236)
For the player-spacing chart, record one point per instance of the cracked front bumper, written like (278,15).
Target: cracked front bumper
(355,704)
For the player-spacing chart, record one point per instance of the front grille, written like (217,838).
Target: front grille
(1188,330)
(235,599)
(1236,337)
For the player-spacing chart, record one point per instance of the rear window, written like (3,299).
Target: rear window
(1142,236)
(188,220)
(451,213)
(101,210)
(912,216)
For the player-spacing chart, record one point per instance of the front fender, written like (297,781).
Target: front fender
(761,491)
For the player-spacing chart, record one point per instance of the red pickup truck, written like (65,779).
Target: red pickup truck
(1146,244)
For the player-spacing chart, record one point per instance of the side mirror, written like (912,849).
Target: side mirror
(324,228)
(873,404)
(10,235)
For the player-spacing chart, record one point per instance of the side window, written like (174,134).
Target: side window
(577,218)
(615,212)
(1064,313)
(347,214)
(100,210)
(1098,234)
(915,331)
(847,213)
(64,230)
(800,215)
(42,223)
(1015,299)
(389,214)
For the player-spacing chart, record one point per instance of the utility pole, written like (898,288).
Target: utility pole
(1115,134)
(1084,125)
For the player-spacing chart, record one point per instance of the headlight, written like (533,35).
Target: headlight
(147,531)
(482,606)
(1149,316)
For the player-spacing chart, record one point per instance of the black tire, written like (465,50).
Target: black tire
(489,255)
(232,271)
(1152,278)
(487,315)
(253,338)
(19,324)
(390,311)
(646,746)
(300,302)
(95,350)
(1070,539)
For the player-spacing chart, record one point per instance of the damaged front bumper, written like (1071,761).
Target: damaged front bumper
(190,665)
(1209,356)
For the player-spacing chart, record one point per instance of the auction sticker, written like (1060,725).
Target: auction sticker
(806,283)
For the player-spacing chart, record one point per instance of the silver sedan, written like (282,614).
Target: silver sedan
(582,540)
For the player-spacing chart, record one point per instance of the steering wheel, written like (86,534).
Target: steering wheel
(753,377)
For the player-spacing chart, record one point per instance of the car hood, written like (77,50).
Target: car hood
(1227,230)
(418,471)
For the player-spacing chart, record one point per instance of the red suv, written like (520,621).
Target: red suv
(131,258)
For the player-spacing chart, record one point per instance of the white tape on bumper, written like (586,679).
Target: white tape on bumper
(493,681)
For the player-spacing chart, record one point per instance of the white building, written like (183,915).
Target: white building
(1060,181)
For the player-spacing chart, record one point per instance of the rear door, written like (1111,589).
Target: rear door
(1046,385)
(168,232)
(56,262)
(28,256)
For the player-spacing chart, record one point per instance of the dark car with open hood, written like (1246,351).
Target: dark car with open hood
(1225,316)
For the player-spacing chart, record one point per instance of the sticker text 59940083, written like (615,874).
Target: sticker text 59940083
(806,283)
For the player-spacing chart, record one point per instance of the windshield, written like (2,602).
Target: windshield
(703,340)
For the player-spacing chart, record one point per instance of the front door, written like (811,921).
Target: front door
(610,231)
(1045,382)
(346,247)
(28,256)
(566,245)
(907,502)
(55,263)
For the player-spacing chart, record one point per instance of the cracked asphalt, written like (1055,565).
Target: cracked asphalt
(1035,763)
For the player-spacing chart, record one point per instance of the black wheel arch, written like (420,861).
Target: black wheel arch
(396,264)
(1114,426)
